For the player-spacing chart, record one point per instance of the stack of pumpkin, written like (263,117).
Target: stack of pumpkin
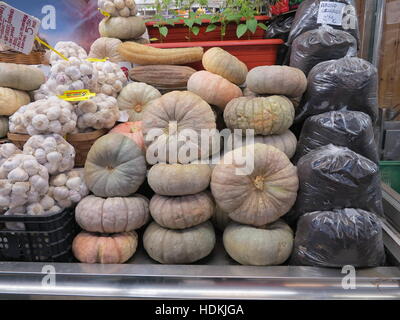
(181,207)
(115,169)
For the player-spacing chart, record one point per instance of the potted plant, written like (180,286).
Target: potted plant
(237,15)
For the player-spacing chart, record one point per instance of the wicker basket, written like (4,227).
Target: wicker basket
(36,57)
(18,139)
(82,142)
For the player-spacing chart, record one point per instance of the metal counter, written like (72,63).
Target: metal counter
(215,277)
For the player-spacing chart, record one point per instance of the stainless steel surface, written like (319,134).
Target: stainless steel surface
(379,24)
(391,206)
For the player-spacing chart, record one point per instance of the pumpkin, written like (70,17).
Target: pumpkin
(283,80)
(179,246)
(122,28)
(145,55)
(267,245)
(265,115)
(3,126)
(115,166)
(134,99)
(132,130)
(179,179)
(213,88)
(220,219)
(182,212)
(11,100)
(162,76)
(173,115)
(221,62)
(112,215)
(258,196)
(96,248)
(20,76)
(286,142)
(106,48)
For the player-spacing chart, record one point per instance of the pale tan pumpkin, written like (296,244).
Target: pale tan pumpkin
(115,166)
(135,97)
(213,88)
(3,127)
(267,245)
(182,212)
(258,196)
(283,80)
(179,179)
(106,48)
(112,215)
(265,115)
(175,115)
(96,248)
(20,76)
(221,62)
(122,28)
(11,100)
(179,246)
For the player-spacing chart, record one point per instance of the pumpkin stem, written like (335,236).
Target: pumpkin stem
(138,108)
(259,182)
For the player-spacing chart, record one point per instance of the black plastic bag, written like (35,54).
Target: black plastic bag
(349,83)
(323,44)
(338,238)
(307,16)
(280,27)
(333,177)
(351,129)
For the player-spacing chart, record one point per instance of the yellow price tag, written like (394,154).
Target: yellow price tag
(50,47)
(77,95)
(104,13)
(97,60)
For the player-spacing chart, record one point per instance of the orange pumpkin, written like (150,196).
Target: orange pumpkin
(132,130)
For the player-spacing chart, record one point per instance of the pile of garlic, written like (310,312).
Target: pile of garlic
(7,150)
(51,151)
(52,115)
(111,79)
(99,112)
(68,188)
(75,74)
(68,49)
(123,8)
(23,181)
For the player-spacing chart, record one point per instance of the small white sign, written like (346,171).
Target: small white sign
(330,13)
(123,116)
(17,29)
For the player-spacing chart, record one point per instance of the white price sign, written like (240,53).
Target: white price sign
(331,13)
(17,29)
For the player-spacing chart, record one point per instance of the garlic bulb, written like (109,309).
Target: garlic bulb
(68,188)
(75,74)
(51,151)
(68,49)
(51,115)
(111,79)
(7,150)
(22,181)
(99,112)
(118,8)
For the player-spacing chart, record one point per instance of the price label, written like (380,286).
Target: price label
(77,95)
(97,60)
(331,13)
(17,29)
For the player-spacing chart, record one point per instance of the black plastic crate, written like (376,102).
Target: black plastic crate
(45,238)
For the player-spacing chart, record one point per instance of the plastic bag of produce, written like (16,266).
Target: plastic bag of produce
(351,129)
(333,177)
(349,83)
(338,238)
(308,13)
(323,44)
(280,27)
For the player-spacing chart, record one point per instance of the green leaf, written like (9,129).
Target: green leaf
(198,21)
(163,31)
(211,27)
(251,25)
(214,19)
(189,22)
(171,21)
(241,30)
(195,30)
(262,26)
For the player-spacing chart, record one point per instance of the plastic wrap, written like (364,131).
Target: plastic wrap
(333,177)
(307,16)
(345,84)
(351,129)
(338,238)
(280,27)
(323,44)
